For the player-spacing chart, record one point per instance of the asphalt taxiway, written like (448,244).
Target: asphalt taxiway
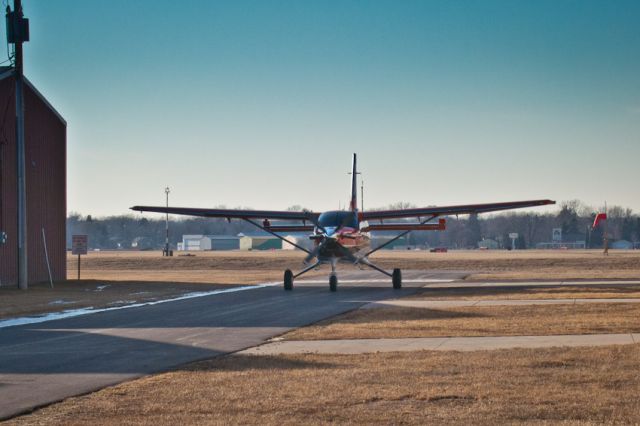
(49,361)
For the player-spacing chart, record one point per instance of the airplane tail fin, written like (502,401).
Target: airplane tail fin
(354,185)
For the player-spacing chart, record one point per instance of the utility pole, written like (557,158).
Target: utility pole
(166,241)
(18,33)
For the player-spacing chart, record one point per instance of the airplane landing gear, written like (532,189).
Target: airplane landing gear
(333,282)
(333,278)
(396,279)
(288,280)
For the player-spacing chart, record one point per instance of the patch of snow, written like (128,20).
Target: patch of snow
(60,302)
(12,322)
(102,287)
(122,302)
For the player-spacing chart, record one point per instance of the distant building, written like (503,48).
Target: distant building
(488,244)
(142,243)
(568,241)
(399,244)
(621,245)
(265,242)
(301,240)
(563,245)
(209,242)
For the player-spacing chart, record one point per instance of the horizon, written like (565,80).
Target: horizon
(259,103)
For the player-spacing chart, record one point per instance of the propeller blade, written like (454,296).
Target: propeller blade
(314,253)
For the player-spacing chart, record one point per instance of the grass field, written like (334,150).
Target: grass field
(557,385)
(231,267)
(521,264)
(127,276)
(476,321)
(606,291)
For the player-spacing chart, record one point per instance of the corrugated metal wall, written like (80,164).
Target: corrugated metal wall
(46,186)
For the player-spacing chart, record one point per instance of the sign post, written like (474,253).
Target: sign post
(514,237)
(79,247)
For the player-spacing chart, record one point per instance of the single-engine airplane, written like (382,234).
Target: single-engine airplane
(344,235)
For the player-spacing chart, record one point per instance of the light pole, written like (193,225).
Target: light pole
(166,241)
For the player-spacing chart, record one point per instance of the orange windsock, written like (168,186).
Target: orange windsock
(599,218)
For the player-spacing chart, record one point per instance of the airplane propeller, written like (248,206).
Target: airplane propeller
(314,253)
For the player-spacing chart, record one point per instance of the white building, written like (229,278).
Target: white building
(209,242)
(301,240)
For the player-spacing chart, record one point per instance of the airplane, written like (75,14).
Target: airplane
(344,235)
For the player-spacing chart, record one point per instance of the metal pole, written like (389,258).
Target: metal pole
(78,266)
(361,194)
(606,238)
(46,257)
(20,145)
(166,241)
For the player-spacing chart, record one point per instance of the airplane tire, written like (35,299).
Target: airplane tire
(333,283)
(396,278)
(288,280)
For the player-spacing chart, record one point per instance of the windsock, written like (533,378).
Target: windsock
(599,218)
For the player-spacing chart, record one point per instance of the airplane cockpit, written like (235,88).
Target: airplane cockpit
(338,219)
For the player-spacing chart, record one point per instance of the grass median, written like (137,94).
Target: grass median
(568,385)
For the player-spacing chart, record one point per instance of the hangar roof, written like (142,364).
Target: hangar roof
(6,72)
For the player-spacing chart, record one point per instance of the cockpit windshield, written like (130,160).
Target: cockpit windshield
(338,219)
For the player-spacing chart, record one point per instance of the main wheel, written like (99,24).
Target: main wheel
(396,279)
(333,282)
(288,280)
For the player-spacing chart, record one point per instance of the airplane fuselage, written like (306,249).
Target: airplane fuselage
(339,234)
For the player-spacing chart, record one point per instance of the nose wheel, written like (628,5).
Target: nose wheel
(333,282)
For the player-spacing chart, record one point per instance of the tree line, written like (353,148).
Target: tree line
(574,218)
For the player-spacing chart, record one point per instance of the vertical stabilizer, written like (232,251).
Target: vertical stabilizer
(353,205)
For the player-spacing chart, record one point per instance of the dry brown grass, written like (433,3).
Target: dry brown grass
(228,267)
(521,264)
(500,265)
(607,291)
(139,272)
(568,385)
(475,321)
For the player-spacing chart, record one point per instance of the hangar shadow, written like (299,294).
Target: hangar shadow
(92,353)
(122,341)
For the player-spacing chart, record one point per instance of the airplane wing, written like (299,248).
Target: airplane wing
(452,210)
(231,213)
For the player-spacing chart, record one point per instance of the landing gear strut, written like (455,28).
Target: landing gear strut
(333,278)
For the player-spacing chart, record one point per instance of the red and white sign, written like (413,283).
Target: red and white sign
(79,244)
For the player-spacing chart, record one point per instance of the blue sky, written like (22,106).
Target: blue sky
(261,103)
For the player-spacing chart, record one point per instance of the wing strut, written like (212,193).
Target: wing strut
(433,216)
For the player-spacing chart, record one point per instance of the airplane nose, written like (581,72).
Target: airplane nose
(330,231)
